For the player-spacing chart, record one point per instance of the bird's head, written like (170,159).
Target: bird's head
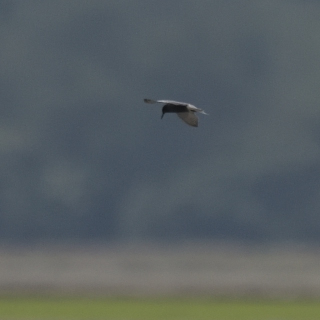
(164,110)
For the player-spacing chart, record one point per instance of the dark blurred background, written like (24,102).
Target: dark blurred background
(84,159)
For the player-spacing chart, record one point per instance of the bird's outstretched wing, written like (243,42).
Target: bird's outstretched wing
(177,103)
(189,117)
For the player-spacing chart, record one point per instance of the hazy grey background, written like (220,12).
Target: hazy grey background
(136,270)
(83,158)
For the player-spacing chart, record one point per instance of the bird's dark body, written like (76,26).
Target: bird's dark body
(172,108)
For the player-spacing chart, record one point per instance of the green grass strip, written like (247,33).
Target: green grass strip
(154,309)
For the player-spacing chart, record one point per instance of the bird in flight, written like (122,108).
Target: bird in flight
(185,111)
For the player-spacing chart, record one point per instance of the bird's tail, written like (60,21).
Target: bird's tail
(149,101)
(201,111)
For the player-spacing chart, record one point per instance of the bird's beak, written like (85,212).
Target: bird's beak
(162,115)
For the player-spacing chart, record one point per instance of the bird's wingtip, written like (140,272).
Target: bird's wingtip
(149,101)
